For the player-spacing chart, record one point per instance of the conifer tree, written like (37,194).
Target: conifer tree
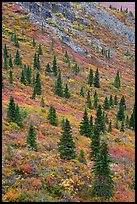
(17,59)
(111,101)
(90,78)
(117,81)
(11,112)
(84,125)
(117,124)
(66,146)
(15,40)
(89,104)
(96,79)
(6,51)
(115,100)
(82,91)
(34,93)
(127,122)
(40,50)
(95,100)
(75,68)
(19,118)
(35,62)
(48,69)
(42,103)
(28,75)
(52,117)
(10,62)
(58,86)
(31,138)
(66,92)
(91,121)
(106,104)
(95,141)
(123,102)
(82,157)
(110,127)
(100,119)
(38,63)
(10,77)
(120,113)
(132,119)
(5,63)
(103,184)
(38,87)
(23,79)
(33,42)
(122,126)
(63,123)
(54,67)
(106,118)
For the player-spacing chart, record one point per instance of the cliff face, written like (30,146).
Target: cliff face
(102,16)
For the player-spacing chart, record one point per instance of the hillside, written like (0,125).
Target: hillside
(82,29)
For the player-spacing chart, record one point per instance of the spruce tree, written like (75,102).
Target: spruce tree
(10,62)
(96,79)
(23,79)
(106,118)
(38,87)
(117,81)
(34,93)
(6,51)
(115,100)
(66,146)
(54,67)
(33,42)
(11,112)
(75,68)
(111,101)
(122,126)
(19,119)
(106,104)
(38,63)
(110,127)
(35,61)
(95,141)
(103,184)
(40,50)
(89,104)
(63,123)
(58,86)
(17,59)
(132,119)
(52,117)
(15,40)
(90,78)
(28,75)
(95,100)
(10,77)
(82,91)
(120,113)
(66,92)
(82,157)
(100,119)
(117,124)
(5,63)
(31,138)
(84,125)
(123,102)
(91,121)
(48,69)
(127,122)
(42,103)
